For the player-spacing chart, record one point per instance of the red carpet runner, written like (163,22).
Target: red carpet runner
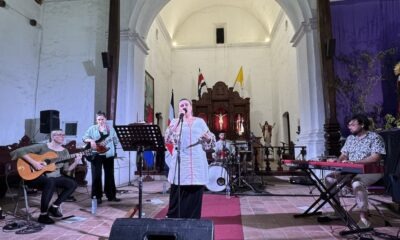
(225,213)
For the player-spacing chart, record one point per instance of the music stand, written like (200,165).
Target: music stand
(140,137)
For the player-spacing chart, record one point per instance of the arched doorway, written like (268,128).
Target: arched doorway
(134,50)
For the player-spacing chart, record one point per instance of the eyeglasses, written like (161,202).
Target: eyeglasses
(59,134)
(352,124)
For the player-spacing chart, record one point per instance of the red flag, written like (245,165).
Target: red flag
(200,83)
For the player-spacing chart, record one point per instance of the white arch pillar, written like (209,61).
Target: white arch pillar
(130,102)
(311,97)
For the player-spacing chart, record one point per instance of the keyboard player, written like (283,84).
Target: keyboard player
(365,147)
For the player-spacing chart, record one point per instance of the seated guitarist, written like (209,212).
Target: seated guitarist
(102,138)
(365,147)
(49,182)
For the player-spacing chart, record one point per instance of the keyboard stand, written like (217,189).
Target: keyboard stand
(327,196)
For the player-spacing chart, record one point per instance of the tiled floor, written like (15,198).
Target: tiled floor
(264,216)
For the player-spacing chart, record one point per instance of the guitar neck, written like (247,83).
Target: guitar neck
(68,157)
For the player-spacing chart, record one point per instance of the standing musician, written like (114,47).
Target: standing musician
(195,139)
(51,181)
(223,148)
(102,136)
(365,147)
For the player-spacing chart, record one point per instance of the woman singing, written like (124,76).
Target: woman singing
(195,139)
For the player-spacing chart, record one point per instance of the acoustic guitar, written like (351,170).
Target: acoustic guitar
(27,172)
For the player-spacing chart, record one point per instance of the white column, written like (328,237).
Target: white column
(311,107)
(130,99)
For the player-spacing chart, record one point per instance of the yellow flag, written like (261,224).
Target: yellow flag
(239,77)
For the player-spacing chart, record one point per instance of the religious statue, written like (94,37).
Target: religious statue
(267,132)
(220,121)
(239,125)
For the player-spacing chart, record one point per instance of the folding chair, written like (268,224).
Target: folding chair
(25,192)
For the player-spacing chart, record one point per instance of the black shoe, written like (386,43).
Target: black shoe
(114,199)
(55,211)
(99,201)
(45,219)
(326,219)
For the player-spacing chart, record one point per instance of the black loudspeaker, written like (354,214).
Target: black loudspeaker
(106,59)
(220,35)
(49,121)
(162,229)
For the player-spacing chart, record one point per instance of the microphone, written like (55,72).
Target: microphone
(182,114)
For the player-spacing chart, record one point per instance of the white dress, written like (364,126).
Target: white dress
(194,165)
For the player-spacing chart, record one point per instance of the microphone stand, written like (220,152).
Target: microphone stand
(178,149)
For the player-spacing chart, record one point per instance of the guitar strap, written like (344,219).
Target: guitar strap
(104,135)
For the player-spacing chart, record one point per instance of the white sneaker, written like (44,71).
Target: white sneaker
(345,191)
(363,223)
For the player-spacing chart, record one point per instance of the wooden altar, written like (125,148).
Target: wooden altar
(224,111)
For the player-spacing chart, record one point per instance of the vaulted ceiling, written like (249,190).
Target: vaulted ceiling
(264,13)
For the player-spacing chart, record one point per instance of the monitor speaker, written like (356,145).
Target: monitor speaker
(49,120)
(162,229)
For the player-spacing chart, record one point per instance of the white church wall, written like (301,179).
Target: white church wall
(222,63)
(200,28)
(74,34)
(158,64)
(55,65)
(72,79)
(19,67)
(285,82)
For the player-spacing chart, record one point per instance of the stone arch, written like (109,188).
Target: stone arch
(301,15)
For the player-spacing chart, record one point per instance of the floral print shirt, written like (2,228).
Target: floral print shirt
(359,148)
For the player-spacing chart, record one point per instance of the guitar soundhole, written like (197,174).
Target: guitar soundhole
(47,161)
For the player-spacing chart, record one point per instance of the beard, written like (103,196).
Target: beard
(356,132)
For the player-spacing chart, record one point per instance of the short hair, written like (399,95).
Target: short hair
(101,113)
(53,132)
(185,99)
(362,119)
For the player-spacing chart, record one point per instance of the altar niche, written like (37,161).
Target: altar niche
(224,111)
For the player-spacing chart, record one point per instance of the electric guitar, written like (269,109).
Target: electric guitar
(101,144)
(27,172)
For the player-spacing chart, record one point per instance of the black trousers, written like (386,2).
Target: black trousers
(49,185)
(191,201)
(98,162)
